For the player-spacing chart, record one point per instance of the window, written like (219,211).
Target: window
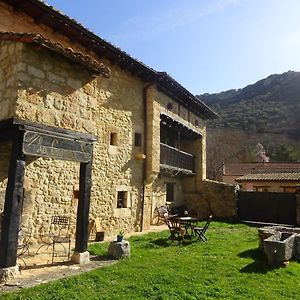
(289,189)
(169,106)
(76,194)
(138,139)
(122,199)
(196,123)
(261,188)
(170,191)
(113,139)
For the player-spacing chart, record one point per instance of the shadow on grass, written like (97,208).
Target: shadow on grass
(260,263)
(101,257)
(164,242)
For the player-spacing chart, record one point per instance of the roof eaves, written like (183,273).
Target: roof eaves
(61,18)
(88,39)
(77,57)
(166,80)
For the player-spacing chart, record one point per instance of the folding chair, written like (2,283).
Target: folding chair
(58,234)
(200,231)
(177,232)
(160,212)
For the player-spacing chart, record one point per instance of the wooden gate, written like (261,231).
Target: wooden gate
(267,207)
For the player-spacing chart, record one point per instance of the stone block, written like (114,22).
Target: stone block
(297,247)
(279,248)
(8,273)
(118,250)
(81,258)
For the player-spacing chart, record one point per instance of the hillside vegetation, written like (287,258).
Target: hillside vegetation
(270,105)
(267,112)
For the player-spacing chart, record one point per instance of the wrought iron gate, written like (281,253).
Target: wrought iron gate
(267,207)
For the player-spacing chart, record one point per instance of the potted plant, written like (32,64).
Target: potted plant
(120,236)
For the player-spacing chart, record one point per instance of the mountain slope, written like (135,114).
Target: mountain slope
(270,105)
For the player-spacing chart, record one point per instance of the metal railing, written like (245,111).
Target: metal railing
(170,156)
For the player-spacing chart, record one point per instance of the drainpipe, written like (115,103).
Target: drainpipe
(145,90)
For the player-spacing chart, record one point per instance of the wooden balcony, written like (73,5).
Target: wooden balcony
(174,162)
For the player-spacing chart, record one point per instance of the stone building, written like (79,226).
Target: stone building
(88,131)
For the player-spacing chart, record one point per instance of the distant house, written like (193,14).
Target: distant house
(263,177)
(272,182)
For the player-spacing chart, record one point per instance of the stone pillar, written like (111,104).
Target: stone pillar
(81,255)
(12,209)
(153,135)
(152,152)
(147,209)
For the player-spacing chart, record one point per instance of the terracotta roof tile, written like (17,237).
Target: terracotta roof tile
(271,177)
(78,57)
(259,168)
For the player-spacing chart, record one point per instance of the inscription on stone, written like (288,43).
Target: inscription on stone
(39,144)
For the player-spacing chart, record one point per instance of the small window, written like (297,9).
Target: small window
(170,191)
(122,199)
(289,189)
(169,106)
(262,188)
(113,139)
(196,123)
(137,140)
(76,194)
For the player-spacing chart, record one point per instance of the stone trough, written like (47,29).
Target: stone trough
(280,244)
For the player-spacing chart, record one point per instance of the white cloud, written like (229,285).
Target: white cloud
(148,27)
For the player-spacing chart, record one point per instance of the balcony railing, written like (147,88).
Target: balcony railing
(172,158)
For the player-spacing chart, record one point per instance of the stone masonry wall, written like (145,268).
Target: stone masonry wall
(53,92)
(214,198)
(9,56)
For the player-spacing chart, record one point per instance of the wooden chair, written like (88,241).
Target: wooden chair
(177,232)
(58,234)
(200,231)
(160,212)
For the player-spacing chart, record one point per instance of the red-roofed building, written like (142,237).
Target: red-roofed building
(273,177)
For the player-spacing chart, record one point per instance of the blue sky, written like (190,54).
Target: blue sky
(207,45)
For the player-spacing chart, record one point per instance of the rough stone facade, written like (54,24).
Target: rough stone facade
(9,56)
(210,197)
(53,92)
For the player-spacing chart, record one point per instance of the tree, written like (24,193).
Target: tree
(285,153)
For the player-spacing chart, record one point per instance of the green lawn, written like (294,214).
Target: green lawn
(228,266)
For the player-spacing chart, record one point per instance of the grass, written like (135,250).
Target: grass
(228,266)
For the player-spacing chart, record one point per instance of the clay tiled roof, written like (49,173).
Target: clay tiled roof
(77,57)
(260,168)
(271,177)
(167,81)
(76,32)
